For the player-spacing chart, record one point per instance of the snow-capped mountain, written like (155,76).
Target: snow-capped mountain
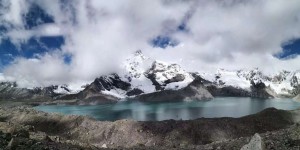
(284,83)
(140,75)
(144,77)
(151,75)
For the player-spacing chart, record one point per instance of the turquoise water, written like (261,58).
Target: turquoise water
(218,107)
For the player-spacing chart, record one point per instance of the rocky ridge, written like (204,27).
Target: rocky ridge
(10,90)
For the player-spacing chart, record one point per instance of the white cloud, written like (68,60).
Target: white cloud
(13,10)
(99,34)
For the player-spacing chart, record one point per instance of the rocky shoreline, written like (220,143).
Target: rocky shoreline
(24,127)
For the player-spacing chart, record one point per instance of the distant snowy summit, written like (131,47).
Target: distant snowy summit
(282,84)
(146,79)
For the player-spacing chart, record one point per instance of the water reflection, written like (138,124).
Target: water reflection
(218,107)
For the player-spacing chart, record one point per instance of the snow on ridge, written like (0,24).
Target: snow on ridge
(61,90)
(165,71)
(134,69)
(228,78)
(135,66)
(285,81)
(138,67)
(281,83)
(143,84)
(115,92)
(179,85)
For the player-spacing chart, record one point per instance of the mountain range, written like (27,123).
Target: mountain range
(146,79)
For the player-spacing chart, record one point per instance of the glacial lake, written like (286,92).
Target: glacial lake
(218,107)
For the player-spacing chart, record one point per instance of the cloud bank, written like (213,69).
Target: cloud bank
(99,34)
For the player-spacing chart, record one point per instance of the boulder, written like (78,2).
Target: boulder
(297,98)
(256,143)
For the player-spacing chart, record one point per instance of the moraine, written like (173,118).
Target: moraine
(218,107)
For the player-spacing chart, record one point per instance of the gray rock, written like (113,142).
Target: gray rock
(260,90)
(256,143)
(297,98)
(134,92)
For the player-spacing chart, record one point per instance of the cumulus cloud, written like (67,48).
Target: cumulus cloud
(99,34)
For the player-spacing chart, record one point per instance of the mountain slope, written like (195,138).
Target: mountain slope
(193,91)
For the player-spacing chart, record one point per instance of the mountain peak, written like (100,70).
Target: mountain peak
(138,52)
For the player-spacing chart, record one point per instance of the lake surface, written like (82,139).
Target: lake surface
(218,107)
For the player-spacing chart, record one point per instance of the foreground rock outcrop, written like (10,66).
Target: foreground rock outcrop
(87,133)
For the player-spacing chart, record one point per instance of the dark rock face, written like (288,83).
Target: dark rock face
(134,92)
(194,91)
(296,84)
(172,73)
(259,85)
(93,93)
(296,90)
(98,99)
(111,82)
(177,78)
(259,90)
(158,87)
(295,81)
(227,91)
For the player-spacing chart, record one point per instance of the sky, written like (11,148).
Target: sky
(46,42)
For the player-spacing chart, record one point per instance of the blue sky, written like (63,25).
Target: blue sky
(35,45)
(290,49)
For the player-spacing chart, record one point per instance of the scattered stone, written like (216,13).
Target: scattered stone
(104,146)
(12,144)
